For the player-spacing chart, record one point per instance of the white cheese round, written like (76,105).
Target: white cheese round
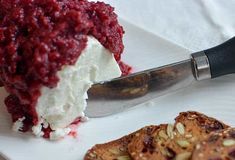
(61,105)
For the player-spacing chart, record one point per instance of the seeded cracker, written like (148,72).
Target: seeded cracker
(218,146)
(163,142)
(176,141)
(114,150)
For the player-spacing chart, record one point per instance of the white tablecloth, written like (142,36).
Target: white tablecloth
(193,24)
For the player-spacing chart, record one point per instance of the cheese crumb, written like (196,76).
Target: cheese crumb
(18,125)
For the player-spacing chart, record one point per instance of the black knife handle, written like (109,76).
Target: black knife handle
(222,58)
(215,62)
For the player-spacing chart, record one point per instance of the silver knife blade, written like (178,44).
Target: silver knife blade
(116,95)
(3,157)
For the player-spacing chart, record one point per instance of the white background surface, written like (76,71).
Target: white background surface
(194,25)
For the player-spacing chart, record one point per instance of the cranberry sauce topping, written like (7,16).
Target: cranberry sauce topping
(126,69)
(38,37)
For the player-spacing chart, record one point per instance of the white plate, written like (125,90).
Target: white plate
(143,50)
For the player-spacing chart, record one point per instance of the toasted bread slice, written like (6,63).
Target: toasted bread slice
(108,151)
(114,150)
(144,145)
(161,142)
(218,146)
(173,141)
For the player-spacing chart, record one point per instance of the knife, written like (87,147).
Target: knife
(107,98)
(3,157)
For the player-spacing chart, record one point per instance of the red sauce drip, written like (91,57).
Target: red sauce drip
(126,69)
(38,37)
(46,132)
